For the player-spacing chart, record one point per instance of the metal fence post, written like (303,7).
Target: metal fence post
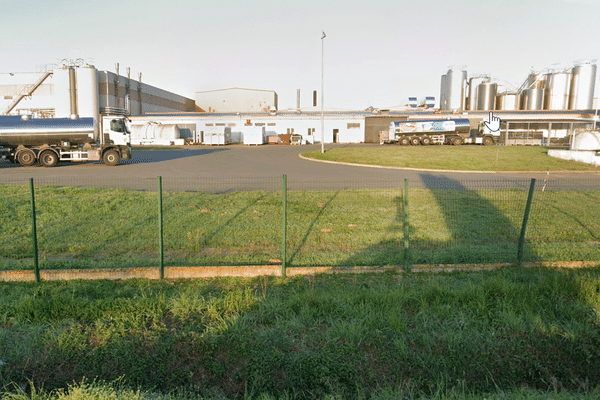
(406,229)
(160,229)
(284,229)
(36,266)
(521,244)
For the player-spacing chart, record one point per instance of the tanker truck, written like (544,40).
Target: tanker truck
(438,131)
(49,140)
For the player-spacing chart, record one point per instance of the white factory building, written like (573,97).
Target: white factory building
(252,117)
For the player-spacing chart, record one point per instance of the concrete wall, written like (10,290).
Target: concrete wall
(237,100)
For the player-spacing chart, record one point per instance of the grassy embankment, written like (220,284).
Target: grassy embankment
(109,228)
(464,158)
(511,333)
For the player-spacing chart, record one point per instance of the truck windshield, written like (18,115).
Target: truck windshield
(117,125)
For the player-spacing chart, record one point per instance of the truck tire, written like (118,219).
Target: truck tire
(415,141)
(404,141)
(488,141)
(26,157)
(456,141)
(48,158)
(425,140)
(111,157)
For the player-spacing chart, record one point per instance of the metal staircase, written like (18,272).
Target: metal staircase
(26,91)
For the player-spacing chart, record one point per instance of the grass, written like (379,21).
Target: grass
(107,228)
(464,158)
(511,333)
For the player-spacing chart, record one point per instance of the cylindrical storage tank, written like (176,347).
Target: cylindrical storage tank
(583,81)
(87,89)
(557,91)
(62,99)
(474,82)
(486,96)
(535,80)
(456,82)
(443,98)
(507,101)
(532,99)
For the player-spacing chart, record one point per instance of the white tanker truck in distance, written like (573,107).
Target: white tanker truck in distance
(49,140)
(438,131)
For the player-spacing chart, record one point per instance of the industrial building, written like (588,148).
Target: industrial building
(549,108)
(80,89)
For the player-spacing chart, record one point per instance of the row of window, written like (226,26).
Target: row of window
(351,125)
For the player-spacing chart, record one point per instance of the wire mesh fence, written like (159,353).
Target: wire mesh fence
(241,222)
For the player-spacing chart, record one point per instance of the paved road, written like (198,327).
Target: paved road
(238,167)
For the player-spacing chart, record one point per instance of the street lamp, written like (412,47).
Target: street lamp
(322,96)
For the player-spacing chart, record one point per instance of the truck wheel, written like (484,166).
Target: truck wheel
(404,141)
(425,140)
(48,158)
(456,141)
(488,141)
(26,157)
(415,141)
(111,157)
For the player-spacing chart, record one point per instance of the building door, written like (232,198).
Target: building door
(335,135)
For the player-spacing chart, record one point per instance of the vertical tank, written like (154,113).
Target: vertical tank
(474,82)
(455,89)
(87,83)
(532,99)
(583,81)
(557,91)
(62,99)
(443,98)
(507,101)
(486,96)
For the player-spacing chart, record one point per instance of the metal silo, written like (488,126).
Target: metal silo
(507,101)
(532,99)
(87,90)
(474,82)
(62,100)
(583,81)
(455,89)
(557,91)
(486,96)
(443,94)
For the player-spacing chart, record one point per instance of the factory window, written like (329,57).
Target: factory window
(8,97)
(259,124)
(220,124)
(290,131)
(353,125)
(311,131)
(231,125)
(271,124)
(208,124)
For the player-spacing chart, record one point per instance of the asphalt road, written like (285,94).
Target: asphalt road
(238,167)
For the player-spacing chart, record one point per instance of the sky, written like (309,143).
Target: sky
(376,53)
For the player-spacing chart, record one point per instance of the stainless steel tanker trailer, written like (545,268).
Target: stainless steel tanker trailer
(437,131)
(49,140)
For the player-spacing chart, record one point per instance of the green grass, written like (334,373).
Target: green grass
(108,228)
(511,333)
(464,158)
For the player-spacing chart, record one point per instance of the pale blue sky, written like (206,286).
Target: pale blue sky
(377,52)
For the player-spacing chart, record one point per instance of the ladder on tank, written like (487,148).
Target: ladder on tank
(26,91)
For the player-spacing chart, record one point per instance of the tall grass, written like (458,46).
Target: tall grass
(86,228)
(528,331)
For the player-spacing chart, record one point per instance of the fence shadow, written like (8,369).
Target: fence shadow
(476,225)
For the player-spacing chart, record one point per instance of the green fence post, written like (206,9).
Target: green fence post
(36,265)
(160,229)
(521,244)
(406,229)
(284,228)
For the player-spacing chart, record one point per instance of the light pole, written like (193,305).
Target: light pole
(322,96)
